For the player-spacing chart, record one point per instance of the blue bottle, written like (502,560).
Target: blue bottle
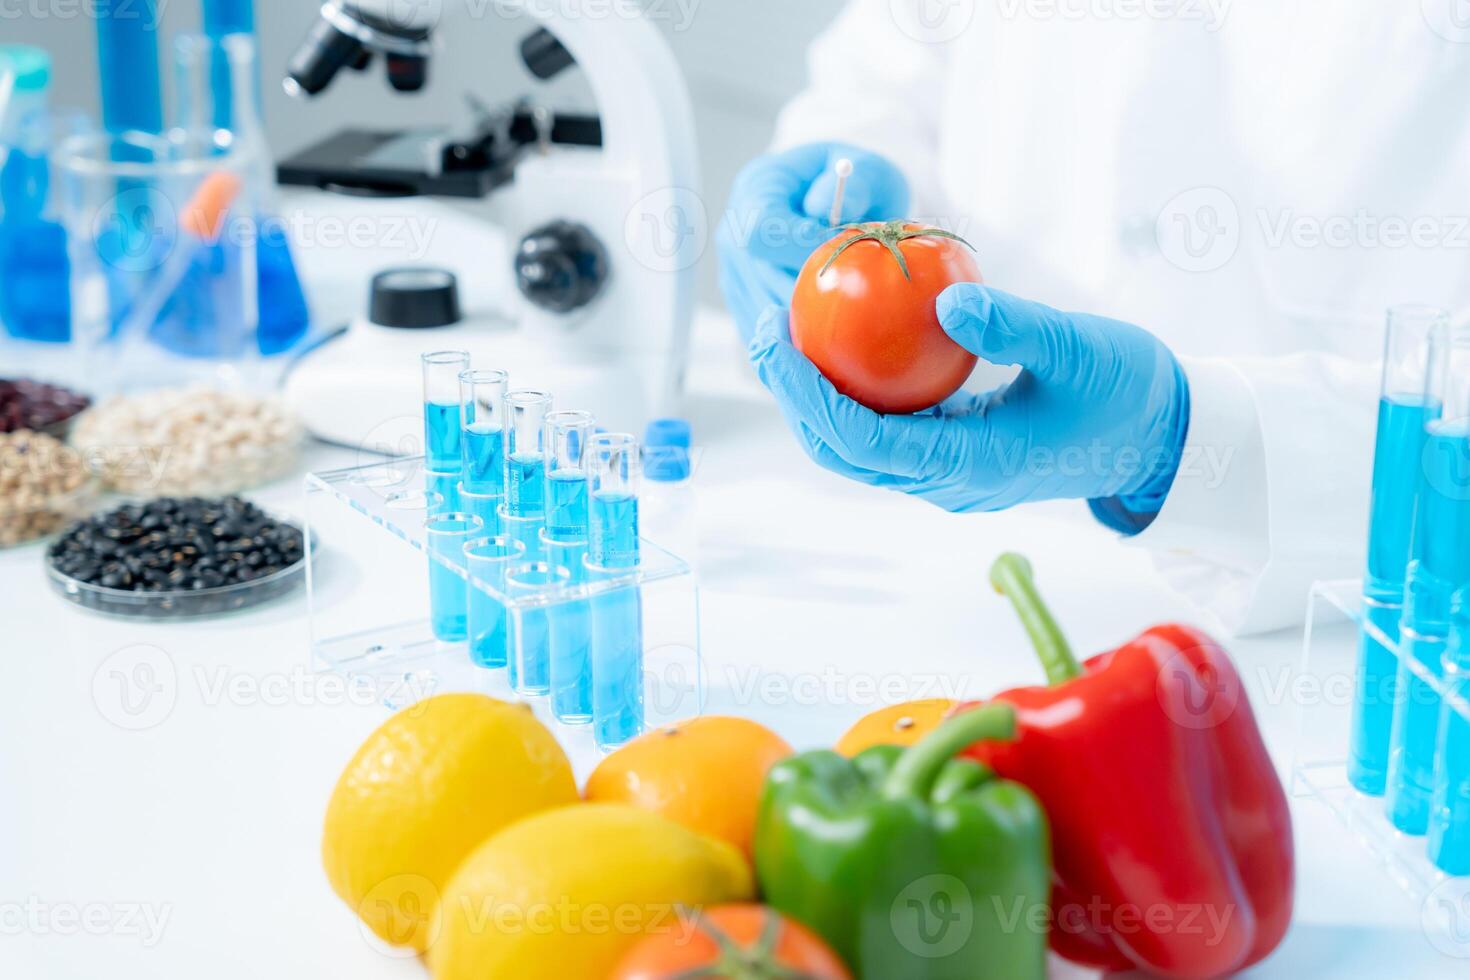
(220,19)
(34,270)
(127,66)
(1402,414)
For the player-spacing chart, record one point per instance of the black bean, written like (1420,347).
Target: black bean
(176,544)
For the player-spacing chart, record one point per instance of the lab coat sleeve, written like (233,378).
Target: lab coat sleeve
(876,75)
(1272,490)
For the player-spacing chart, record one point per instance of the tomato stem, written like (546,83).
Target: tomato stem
(736,962)
(889,234)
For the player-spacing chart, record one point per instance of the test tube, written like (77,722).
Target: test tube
(565,440)
(571,635)
(1402,413)
(486,561)
(485,506)
(612,463)
(445,489)
(448,611)
(1439,564)
(1449,814)
(441,409)
(525,468)
(526,531)
(482,405)
(530,641)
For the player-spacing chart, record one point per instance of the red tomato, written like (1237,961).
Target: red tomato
(731,941)
(869,324)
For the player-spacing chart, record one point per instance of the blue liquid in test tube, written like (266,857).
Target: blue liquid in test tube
(564,541)
(1449,814)
(441,437)
(525,484)
(1439,566)
(1402,413)
(484,457)
(530,627)
(617,624)
(448,608)
(442,423)
(485,506)
(525,463)
(615,529)
(482,444)
(523,419)
(487,561)
(443,492)
(525,531)
(617,615)
(566,503)
(1395,485)
(571,637)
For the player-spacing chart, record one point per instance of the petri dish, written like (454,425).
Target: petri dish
(183,603)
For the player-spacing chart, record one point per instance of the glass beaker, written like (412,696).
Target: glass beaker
(163,273)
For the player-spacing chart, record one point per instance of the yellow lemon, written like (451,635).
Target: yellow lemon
(565,894)
(424,790)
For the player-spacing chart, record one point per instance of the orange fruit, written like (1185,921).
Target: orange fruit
(897,724)
(705,773)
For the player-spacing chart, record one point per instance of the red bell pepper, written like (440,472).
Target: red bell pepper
(1170,830)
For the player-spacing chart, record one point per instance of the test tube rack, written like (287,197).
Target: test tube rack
(369,608)
(1323,693)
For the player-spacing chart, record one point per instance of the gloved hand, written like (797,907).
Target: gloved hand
(778,214)
(1098,412)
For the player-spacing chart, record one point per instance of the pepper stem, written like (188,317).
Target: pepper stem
(920,765)
(1012,577)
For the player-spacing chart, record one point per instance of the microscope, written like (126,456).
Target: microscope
(606,231)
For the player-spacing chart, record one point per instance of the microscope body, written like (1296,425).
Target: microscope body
(604,246)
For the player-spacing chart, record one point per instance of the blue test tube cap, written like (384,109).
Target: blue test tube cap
(30,65)
(666,450)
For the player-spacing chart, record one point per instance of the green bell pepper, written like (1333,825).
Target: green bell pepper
(911,863)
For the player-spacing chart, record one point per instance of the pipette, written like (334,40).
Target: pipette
(844,171)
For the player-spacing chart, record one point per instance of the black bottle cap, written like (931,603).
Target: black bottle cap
(414,297)
(544,55)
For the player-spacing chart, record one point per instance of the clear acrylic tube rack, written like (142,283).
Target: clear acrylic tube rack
(369,604)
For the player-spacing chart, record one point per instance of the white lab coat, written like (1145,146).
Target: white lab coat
(1168,163)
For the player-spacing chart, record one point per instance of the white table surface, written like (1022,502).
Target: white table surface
(169,825)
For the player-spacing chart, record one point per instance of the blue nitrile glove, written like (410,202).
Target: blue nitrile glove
(778,214)
(1098,413)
